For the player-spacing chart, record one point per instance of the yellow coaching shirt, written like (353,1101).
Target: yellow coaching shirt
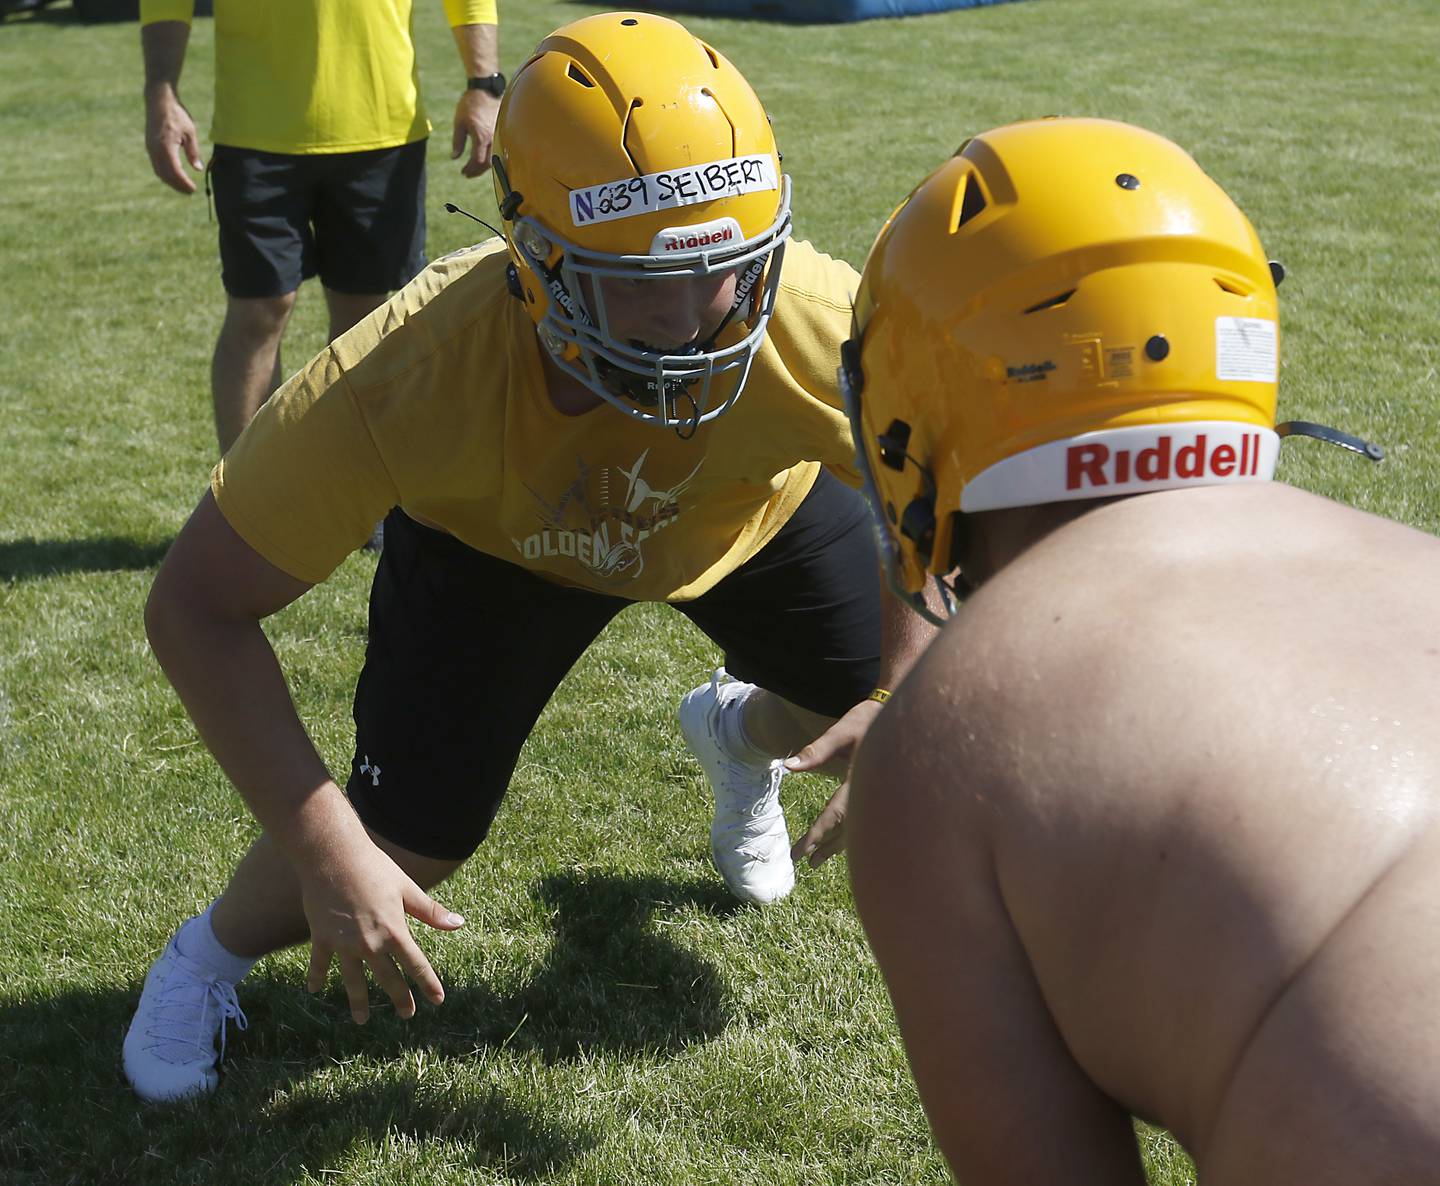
(437,403)
(312,76)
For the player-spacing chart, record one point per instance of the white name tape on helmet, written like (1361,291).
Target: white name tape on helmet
(632,196)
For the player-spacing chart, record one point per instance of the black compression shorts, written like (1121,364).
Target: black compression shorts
(466,649)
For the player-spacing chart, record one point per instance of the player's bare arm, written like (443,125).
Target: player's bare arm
(903,638)
(203,620)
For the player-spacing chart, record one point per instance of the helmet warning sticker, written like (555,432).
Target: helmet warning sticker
(633,196)
(1246,349)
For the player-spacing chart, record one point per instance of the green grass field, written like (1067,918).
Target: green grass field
(611,1018)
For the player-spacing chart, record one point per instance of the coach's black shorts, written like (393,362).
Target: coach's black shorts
(466,649)
(355,219)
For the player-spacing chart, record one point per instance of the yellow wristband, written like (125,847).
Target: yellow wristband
(879,695)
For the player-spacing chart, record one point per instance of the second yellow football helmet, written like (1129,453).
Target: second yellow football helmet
(1066,309)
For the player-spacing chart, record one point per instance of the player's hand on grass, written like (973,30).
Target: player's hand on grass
(831,753)
(357,906)
(169,134)
(826,836)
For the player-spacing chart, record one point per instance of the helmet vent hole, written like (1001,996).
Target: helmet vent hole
(971,203)
(1053,303)
(579,75)
(1226,286)
(629,20)
(712,55)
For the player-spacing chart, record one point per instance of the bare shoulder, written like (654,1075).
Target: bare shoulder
(1220,609)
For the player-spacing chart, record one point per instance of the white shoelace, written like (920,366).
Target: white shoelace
(749,819)
(181,1024)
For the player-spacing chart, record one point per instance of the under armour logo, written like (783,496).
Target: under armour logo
(372,771)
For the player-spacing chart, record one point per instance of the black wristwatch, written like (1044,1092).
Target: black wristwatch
(493,83)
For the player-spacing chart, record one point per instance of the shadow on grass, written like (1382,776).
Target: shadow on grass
(31,559)
(612,984)
(21,12)
(304,1086)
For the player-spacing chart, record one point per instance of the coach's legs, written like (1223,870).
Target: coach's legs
(348,309)
(246,366)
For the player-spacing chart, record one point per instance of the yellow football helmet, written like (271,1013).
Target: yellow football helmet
(1066,309)
(626,148)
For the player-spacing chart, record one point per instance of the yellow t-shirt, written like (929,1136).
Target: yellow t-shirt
(314,76)
(437,403)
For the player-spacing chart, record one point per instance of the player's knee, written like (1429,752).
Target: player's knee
(258,318)
(426,872)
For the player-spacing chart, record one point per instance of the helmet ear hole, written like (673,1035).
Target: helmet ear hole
(917,525)
(893,442)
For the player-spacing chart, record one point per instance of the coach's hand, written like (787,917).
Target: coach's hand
(474,122)
(356,902)
(170,135)
(831,753)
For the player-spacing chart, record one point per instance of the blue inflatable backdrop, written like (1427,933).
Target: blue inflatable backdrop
(817,12)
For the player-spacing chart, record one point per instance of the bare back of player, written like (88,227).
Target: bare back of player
(1152,829)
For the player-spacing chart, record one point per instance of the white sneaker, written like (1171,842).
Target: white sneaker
(748,839)
(170,1047)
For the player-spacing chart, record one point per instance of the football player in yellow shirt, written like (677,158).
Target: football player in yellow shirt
(630,396)
(1151,828)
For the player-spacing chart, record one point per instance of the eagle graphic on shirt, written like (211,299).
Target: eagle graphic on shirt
(603,518)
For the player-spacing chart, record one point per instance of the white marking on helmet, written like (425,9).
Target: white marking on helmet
(721,232)
(672,188)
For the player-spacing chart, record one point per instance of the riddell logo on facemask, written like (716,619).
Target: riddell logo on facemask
(692,242)
(717,233)
(1096,465)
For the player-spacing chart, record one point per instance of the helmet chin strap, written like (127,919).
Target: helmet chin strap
(1333,436)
